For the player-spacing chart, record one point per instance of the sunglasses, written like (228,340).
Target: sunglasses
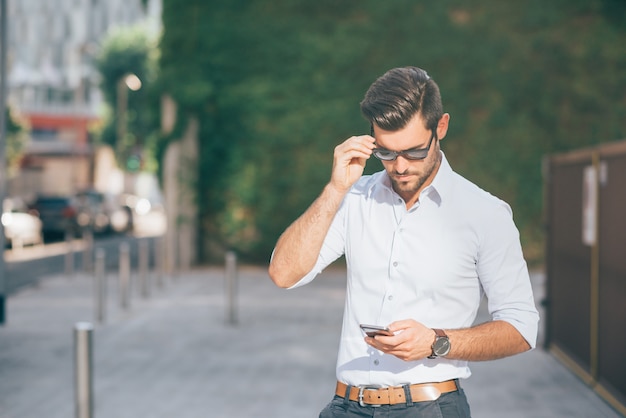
(410,154)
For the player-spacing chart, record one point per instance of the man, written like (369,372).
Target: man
(422,246)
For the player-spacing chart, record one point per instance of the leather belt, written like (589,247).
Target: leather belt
(367,395)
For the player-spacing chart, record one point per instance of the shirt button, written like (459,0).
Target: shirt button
(376,362)
(395,264)
(390,297)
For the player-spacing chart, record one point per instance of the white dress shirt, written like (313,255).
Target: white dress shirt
(432,263)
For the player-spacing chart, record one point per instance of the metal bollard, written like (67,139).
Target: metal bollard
(69,254)
(124,275)
(231,286)
(159,259)
(83,369)
(88,250)
(143,268)
(100,285)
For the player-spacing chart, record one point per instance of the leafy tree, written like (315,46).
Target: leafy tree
(276,85)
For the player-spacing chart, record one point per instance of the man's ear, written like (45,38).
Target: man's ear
(442,126)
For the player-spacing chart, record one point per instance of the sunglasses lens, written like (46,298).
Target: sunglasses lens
(416,155)
(384,155)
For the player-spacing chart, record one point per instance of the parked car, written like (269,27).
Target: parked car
(102,212)
(58,214)
(21,227)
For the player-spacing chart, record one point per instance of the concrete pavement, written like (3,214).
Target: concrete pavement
(174,354)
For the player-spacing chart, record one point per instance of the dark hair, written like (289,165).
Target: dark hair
(398,95)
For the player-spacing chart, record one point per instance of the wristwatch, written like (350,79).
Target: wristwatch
(441,346)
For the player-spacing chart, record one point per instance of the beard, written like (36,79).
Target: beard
(408,188)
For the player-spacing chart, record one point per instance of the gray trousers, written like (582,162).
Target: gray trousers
(449,405)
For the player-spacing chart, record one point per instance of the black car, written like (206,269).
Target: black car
(58,214)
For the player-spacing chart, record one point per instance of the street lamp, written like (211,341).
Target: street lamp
(126,82)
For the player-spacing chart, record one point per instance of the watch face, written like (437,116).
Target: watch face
(441,346)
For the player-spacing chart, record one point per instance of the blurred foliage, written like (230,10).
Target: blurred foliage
(16,137)
(277,85)
(129,50)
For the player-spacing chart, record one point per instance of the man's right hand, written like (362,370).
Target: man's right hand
(349,161)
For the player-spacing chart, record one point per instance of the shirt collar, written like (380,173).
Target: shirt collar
(441,185)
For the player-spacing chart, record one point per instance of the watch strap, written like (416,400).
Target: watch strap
(440,333)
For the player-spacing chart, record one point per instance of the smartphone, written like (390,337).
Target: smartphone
(373,330)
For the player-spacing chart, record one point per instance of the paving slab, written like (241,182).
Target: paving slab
(175,354)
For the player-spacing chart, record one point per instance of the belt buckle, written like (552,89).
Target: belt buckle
(367,387)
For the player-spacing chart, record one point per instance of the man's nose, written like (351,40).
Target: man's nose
(401,164)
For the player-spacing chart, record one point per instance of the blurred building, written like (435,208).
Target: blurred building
(53,84)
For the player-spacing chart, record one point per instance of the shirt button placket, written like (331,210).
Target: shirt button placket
(387,310)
